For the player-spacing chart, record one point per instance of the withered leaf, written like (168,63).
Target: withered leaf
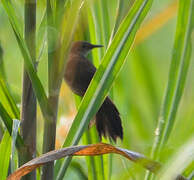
(87,150)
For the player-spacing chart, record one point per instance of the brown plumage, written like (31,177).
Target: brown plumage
(78,74)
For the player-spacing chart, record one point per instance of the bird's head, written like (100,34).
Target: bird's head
(83,48)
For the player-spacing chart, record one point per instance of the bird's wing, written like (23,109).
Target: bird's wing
(78,74)
(84,73)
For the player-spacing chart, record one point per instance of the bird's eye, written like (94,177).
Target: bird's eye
(84,45)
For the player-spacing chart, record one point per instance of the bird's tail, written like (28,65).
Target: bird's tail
(108,121)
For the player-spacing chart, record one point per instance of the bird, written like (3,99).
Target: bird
(79,72)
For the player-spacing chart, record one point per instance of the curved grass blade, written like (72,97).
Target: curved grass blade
(77,167)
(5,151)
(6,97)
(8,101)
(8,124)
(87,150)
(106,73)
(177,76)
(37,86)
(189,171)
(178,162)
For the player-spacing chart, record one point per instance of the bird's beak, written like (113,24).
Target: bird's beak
(97,46)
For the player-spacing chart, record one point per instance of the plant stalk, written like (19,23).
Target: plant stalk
(50,124)
(28,113)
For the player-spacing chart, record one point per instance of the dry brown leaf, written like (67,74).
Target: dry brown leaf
(88,150)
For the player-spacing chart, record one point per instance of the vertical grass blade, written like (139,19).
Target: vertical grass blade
(177,76)
(90,160)
(122,9)
(15,128)
(178,162)
(106,74)
(93,31)
(104,21)
(5,151)
(119,10)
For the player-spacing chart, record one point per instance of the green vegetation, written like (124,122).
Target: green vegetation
(146,67)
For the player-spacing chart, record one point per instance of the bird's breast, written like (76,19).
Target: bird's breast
(70,72)
(73,76)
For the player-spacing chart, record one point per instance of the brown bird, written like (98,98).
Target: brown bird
(79,72)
